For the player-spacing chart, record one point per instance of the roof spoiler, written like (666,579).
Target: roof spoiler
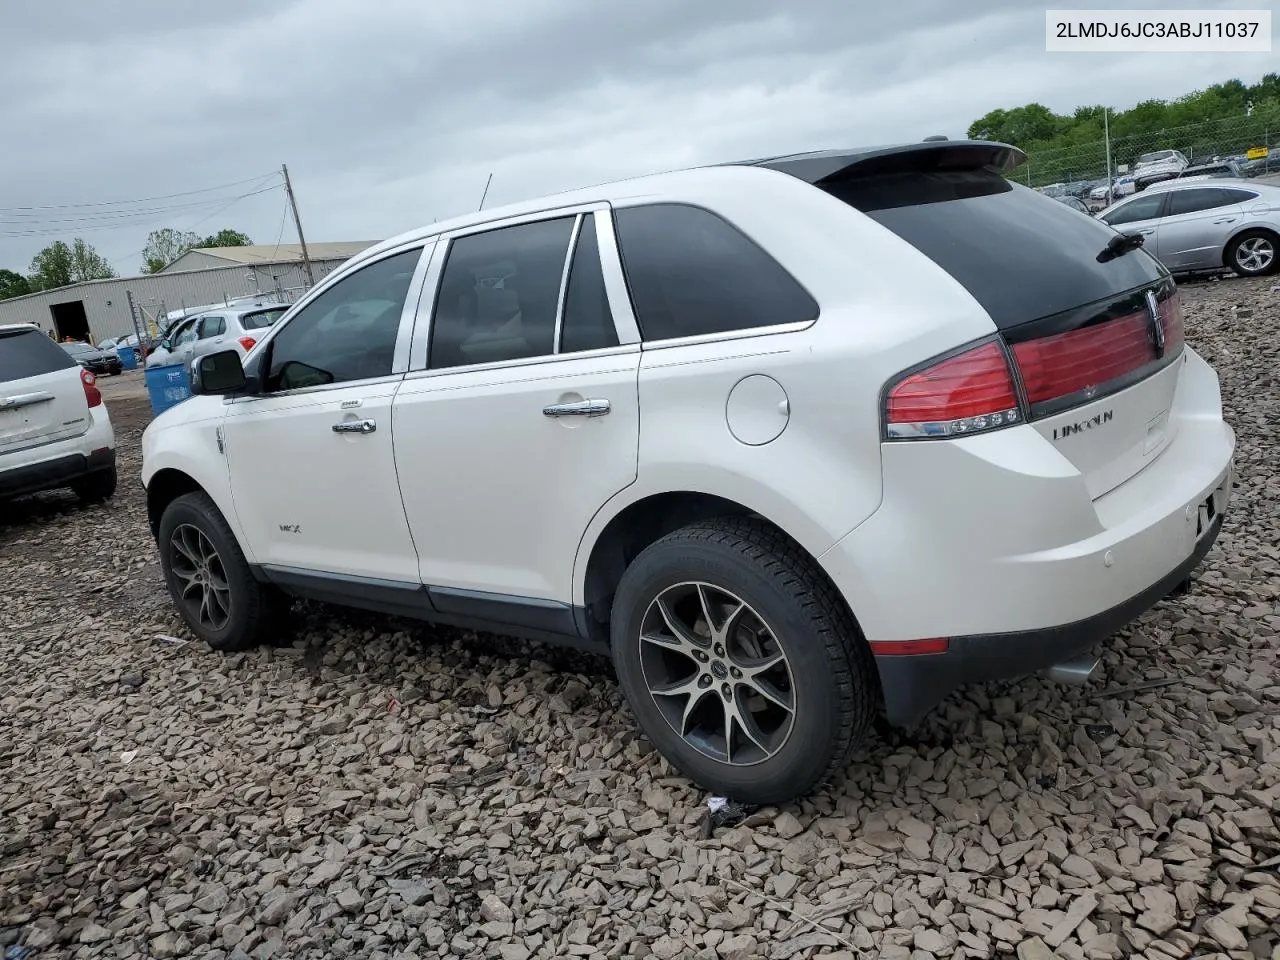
(832,166)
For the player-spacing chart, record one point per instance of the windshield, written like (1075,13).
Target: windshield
(262,319)
(76,348)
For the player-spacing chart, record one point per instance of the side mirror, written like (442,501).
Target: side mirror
(218,373)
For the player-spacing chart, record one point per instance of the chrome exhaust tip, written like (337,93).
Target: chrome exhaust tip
(1073,672)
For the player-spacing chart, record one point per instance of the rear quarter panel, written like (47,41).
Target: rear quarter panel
(884,307)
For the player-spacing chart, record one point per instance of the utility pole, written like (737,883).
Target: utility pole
(297,222)
(137,331)
(1106,133)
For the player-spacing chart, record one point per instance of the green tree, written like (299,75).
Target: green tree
(165,246)
(226,238)
(51,267)
(87,263)
(13,285)
(60,264)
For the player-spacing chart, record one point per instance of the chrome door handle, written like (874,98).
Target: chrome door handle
(355,426)
(1226,220)
(579,408)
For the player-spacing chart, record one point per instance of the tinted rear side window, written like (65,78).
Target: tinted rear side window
(30,353)
(1021,255)
(690,272)
(1193,201)
(1236,195)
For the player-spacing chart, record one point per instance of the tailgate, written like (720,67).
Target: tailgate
(1091,328)
(42,399)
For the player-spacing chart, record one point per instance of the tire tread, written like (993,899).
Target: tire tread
(785,563)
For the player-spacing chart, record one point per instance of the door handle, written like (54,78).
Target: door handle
(1147,233)
(355,426)
(1226,220)
(579,408)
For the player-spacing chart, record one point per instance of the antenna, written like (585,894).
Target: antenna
(486,192)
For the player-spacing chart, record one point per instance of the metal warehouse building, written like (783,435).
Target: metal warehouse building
(201,277)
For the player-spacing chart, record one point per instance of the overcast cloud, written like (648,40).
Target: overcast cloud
(391,113)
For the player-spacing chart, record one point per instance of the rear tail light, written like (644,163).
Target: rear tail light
(91,392)
(1171,324)
(247,342)
(1068,363)
(967,393)
(977,390)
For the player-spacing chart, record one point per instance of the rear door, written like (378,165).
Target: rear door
(211,335)
(1195,226)
(520,418)
(41,396)
(1094,337)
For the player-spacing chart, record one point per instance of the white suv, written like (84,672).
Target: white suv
(54,427)
(795,440)
(236,327)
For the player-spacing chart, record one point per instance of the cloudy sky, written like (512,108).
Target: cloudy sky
(392,113)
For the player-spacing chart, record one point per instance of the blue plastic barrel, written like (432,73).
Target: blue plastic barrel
(128,358)
(167,386)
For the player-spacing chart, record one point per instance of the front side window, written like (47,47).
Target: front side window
(186,335)
(212,327)
(498,295)
(1140,208)
(690,272)
(346,333)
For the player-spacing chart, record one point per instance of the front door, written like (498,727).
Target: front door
(524,422)
(313,474)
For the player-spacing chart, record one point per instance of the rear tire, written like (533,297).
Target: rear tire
(210,580)
(743,596)
(1255,253)
(97,486)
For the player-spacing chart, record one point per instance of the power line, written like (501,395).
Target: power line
(91,226)
(165,196)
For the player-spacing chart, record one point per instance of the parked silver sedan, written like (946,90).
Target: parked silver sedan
(1205,225)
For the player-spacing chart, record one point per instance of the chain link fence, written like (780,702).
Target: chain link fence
(1242,138)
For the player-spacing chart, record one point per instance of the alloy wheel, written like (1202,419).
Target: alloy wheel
(204,589)
(717,673)
(1255,254)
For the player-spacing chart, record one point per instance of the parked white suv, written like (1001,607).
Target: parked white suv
(795,440)
(54,428)
(236,327)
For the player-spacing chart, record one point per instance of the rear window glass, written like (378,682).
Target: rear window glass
(260,320)
(1021,255)
(30,353)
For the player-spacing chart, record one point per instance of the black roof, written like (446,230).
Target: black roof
(827,166)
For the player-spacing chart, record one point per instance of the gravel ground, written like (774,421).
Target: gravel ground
(375,788)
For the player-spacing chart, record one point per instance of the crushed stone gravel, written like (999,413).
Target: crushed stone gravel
(377,788)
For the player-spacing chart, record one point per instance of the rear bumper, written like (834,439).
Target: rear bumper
(54,473)
(994,543)
(920,683)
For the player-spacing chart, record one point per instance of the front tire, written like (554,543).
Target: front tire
(741,662)
(1255,253)
(210,580)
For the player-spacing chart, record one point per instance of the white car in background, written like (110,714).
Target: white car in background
(794,440)
(54,428)
(228,328)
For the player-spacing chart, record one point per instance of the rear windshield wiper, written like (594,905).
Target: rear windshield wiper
(1119,245)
